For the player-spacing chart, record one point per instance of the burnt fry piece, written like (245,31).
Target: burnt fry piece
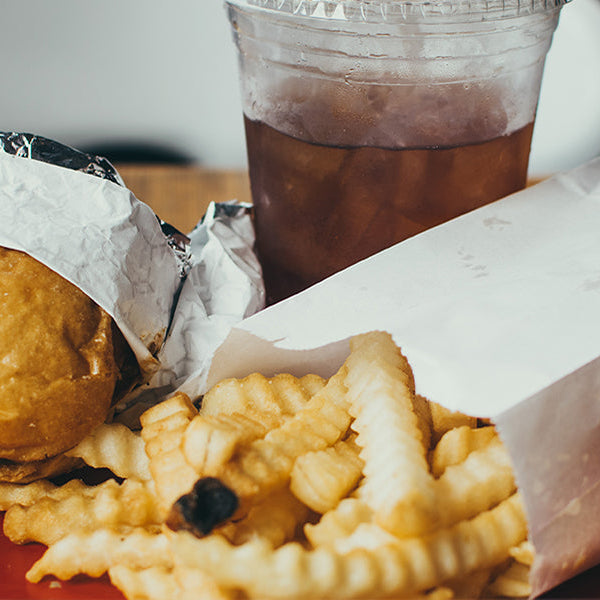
(264,465)
(209,504)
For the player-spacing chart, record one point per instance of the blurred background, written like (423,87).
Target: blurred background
(157,81)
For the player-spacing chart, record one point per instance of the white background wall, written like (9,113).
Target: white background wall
(165,72)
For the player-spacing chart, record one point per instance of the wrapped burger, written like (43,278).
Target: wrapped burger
(91,286)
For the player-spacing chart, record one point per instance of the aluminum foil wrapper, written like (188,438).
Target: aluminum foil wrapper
(223,286)
(36,147)
(173,295)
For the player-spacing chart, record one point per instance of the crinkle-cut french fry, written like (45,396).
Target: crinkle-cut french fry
(108,505)
(30,493)
(238,411)
(398,485)
(292,393)
(443,419)
(172,476)
(367,535)
(250,395)
(471,585)
(456,444)
(163,427)
(210,441)
(170,416)
(339,522)
(93,553)
(153,583)
(513,582)
(322,478)
(194,584)
(523,553)
(114,446)
(409,566)
(257,395)
(266,464)
(423,412)
(24,494)
(439,593)
(276,519)
(312,383)
(481,481)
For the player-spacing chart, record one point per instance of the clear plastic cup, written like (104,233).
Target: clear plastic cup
(368,122)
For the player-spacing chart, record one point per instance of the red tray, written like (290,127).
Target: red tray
(16,560)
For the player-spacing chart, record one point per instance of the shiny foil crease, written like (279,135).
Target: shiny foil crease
(37,147)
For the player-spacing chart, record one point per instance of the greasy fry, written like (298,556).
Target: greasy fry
(114,447)
(276,519)
(292,488)
(421,407)
(93,553)
(322,478)
(257,395)
(482,480)
(23,494)
(444,419)
(293,393)
(163,423)
(210,441)
(339,522)
(265,465)
(163,427)
(456,444)
(513,582)
(109,504)
(398,485)
(523,553)
(194,584)
(404,567)
(471,585)
(154,583)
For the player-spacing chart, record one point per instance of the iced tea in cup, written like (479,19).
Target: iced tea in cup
(369,121)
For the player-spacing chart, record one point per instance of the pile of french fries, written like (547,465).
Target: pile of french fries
(285,487)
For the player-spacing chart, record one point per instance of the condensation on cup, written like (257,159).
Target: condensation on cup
(368,122)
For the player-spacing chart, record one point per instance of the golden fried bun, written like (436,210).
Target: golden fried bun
(57,365)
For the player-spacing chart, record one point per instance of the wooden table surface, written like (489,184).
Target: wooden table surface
(179,195)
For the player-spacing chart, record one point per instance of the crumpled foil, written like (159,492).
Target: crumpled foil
(220,276)
(37,147)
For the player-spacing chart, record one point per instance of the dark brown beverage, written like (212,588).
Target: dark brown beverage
(320,209)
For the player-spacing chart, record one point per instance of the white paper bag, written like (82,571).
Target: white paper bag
(498,312)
